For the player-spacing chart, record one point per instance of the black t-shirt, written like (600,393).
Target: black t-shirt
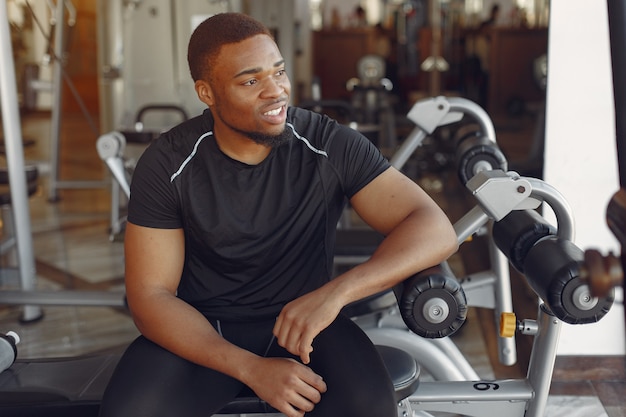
(256,236)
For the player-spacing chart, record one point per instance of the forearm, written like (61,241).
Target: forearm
(154,264)
(284,383)
(423,239)
(178,327)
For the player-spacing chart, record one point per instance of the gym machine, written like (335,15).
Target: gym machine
(476,151)
(552,265)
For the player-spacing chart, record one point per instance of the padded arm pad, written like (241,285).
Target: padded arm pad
(518,232)
(432,303)
(476,153)
(553,268)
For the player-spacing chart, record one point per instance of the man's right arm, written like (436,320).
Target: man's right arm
(154,264)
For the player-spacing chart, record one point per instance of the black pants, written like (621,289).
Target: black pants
(151,381)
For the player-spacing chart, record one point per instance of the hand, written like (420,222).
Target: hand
(302,320)
(287,385)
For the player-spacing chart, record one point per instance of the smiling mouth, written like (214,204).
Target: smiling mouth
(274,112)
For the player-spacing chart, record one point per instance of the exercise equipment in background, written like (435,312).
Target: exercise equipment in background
(8,349)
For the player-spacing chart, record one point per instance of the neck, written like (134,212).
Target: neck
(241,148)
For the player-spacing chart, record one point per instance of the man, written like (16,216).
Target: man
(229,247)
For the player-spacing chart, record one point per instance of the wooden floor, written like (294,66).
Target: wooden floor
(73,250)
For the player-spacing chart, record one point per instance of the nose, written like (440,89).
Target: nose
(275,87)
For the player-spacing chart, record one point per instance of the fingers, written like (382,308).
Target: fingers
(305,346)
(317,382)
(301,388)
(295,337)
(305,351)
(308,389)
(305,397)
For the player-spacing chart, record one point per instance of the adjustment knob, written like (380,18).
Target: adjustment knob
(508,324)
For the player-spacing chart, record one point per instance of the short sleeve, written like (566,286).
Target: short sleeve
(153,201)
(358,160)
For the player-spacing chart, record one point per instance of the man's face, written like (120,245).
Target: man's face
(249,90)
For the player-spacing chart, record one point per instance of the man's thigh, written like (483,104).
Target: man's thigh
(151,381)
(357,380)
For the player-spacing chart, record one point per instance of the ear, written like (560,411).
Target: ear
(204,91)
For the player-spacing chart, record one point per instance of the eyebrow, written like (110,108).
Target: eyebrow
(256,70)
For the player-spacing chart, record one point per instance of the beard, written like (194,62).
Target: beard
(272,141)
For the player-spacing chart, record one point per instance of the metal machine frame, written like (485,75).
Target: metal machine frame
(497,194)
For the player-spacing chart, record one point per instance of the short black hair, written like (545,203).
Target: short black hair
(208,38)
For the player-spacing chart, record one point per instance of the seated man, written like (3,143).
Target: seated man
(229,247)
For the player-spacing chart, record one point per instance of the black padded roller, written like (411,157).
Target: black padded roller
(432,303)
(517,232)
(553,268)
(475,153)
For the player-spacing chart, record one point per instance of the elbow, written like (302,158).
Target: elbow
(139,323)
(147,325)
(452,243)
(448,240)
(135,314)
(149,308)
(141,312)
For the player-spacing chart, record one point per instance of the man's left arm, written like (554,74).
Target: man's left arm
(418,235)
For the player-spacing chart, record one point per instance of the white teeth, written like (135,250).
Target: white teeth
(274,112)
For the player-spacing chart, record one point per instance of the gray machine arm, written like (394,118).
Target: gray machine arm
(430,113)
(111,148)
(498,193)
